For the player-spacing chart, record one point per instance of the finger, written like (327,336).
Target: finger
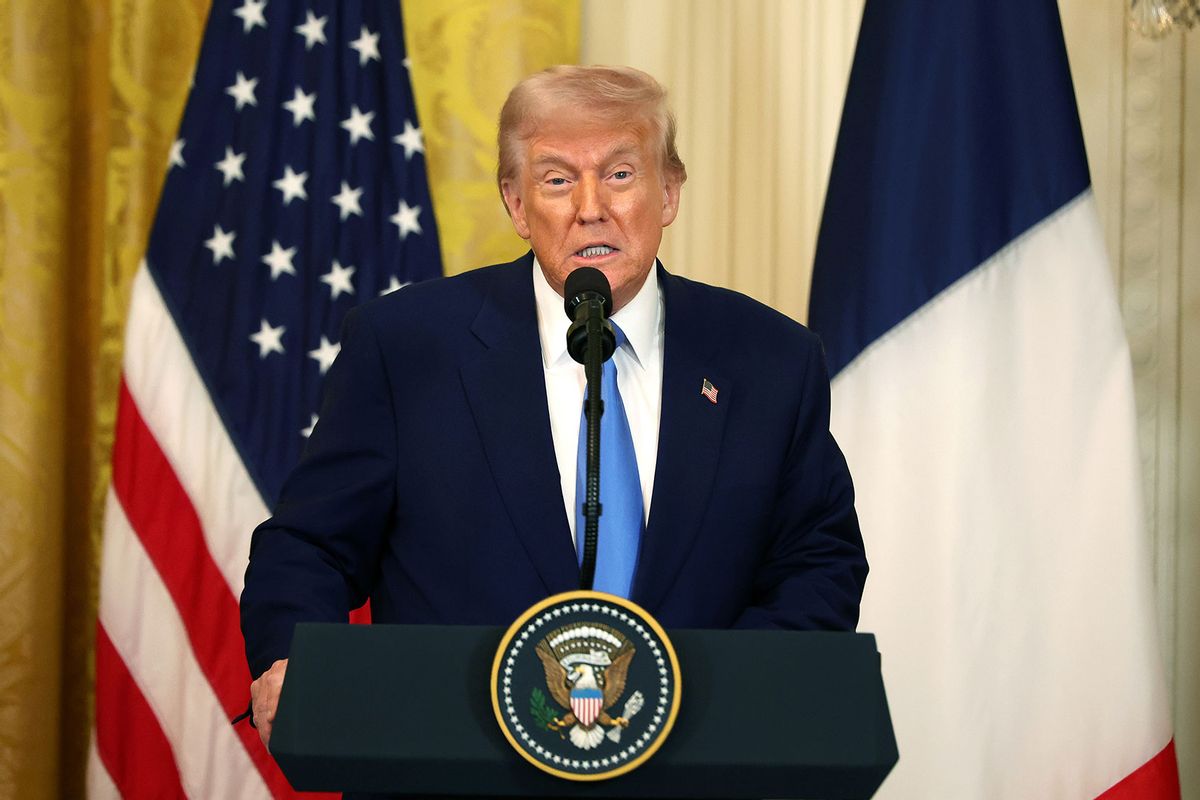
(264,733)
(264,696)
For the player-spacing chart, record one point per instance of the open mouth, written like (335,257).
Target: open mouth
(595,251)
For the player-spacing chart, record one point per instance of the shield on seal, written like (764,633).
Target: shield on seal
(586,704)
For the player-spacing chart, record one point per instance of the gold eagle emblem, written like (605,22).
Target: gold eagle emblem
(586,664)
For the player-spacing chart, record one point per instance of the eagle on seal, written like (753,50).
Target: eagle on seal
(588,690)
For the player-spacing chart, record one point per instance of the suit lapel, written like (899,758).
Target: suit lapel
(689,442)
(506,389)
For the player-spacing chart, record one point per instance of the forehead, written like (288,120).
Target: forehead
(586,143)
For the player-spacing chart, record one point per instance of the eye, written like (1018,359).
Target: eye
(557,181)
(623,174)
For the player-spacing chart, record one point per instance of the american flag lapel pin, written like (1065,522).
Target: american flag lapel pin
(709,391)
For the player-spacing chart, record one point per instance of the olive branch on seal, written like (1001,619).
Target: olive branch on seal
(542,711)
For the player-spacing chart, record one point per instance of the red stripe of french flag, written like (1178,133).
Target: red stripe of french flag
(1158,778)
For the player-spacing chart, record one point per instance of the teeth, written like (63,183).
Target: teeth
(598,250)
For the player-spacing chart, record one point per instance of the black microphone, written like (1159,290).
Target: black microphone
(587,296)
(590,341)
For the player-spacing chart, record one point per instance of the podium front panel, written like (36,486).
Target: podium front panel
(406,710)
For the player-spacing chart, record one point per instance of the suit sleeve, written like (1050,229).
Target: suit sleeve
(813,574)
(315,559)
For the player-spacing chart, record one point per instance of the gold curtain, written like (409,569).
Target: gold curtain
(90,95)
(466,55)
(91,92)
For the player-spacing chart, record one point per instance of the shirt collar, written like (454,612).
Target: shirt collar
(638,320)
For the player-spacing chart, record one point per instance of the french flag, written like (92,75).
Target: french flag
(984,399)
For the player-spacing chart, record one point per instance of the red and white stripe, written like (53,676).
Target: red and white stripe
(170,667)
(586,709)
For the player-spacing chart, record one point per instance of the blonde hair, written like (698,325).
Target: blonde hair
(622,93)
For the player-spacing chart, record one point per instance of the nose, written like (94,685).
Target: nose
(591,200)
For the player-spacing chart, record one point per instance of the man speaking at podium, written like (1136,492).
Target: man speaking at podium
(441,480)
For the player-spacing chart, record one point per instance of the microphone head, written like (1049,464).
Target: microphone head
(583,282)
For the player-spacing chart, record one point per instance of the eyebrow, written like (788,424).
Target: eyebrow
(552,159)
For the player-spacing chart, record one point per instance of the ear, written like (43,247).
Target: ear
(671,189)
(516,207)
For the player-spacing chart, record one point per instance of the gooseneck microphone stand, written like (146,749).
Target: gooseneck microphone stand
(590,341)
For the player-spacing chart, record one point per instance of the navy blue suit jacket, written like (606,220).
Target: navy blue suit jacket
(430,484)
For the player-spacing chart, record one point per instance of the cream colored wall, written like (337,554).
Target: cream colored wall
(1185,488)
(758,85)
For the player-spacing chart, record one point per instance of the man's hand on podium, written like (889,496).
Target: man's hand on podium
(264,699)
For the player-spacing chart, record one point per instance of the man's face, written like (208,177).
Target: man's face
(589,196)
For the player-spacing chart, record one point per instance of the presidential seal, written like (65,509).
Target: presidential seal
(585,685)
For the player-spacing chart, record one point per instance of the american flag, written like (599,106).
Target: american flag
(709,391)
(296,189)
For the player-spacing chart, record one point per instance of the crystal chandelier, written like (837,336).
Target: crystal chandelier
(1157,18)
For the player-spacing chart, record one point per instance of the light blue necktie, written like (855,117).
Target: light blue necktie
(620,489)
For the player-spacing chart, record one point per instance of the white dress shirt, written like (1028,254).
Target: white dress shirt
(639,365)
